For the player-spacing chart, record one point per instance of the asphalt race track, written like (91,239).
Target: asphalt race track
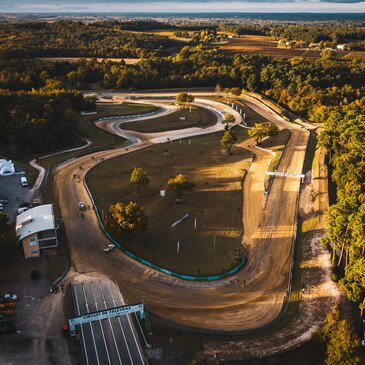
(112,341)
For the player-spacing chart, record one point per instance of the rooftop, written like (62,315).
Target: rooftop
(35,220)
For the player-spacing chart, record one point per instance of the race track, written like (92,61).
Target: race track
(249,300)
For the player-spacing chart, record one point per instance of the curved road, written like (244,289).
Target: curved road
(250,299)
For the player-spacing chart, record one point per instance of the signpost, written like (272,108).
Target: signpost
(104,314)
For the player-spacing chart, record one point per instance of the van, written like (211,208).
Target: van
(22,210)
(24,181)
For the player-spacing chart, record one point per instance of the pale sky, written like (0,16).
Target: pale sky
(199,6)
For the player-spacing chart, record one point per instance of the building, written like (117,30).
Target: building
(6,168)
(342,47)
(36,230)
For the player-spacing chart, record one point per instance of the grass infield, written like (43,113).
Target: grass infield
(215,202)
(198,117)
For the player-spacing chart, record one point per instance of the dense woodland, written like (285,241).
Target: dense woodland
(38,114)
(39,121)
(75,39)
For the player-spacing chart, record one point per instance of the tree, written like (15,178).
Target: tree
(179,184)
(273,130)
(228,140)
(341,340)
(218,89)
(184,98)
(139,178)
(126,218)
(228,118)
(258,131)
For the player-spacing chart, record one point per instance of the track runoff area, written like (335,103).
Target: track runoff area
(104,324)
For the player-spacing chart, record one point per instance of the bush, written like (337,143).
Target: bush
(35,275)
(334,277)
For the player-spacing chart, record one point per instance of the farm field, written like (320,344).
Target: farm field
(215,201)
(355,55)
(263,45)
(198,117)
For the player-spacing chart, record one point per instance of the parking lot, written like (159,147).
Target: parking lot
(110,341)
(11,188)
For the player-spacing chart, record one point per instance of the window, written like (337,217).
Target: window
(33,241)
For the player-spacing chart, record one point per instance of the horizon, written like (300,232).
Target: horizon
(182,7)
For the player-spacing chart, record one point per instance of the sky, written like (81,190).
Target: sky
(181,6)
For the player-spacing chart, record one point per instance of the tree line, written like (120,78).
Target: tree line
(39,121)
(76,39)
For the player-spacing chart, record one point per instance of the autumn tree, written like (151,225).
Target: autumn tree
(126,218)
(228,140)
(139,178)
(272,130)
(179,184)
(184,98)
(259,132)
(341,341)
(218,90)
(228,118)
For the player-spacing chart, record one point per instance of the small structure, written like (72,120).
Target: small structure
(36,229)
(342,47)
(6,168)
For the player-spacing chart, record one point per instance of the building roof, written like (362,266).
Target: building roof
(35,220)
(6,168)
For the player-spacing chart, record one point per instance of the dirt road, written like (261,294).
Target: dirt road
(250,299)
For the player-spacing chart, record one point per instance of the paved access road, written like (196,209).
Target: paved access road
(113,341)
(248,300)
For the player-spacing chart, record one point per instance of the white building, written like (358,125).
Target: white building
(6,168)
(36,229)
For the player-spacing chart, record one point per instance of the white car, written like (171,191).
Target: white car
(109,247)
(10,297)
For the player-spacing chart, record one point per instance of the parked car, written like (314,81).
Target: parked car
(3,200)
(1,207)
(9,297)
(82,206)
(22,210)
(109,247)
(24,181)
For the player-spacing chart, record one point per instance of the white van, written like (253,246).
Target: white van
(24,181)
(22,210)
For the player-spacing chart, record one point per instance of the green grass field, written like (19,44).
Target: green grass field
(215,201)
(198,117)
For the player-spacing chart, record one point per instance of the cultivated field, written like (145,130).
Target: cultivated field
(198,117)
(263,45)
(215,201)
(355,55)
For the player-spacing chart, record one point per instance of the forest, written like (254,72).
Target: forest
(75,39)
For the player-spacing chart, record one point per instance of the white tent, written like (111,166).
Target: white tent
(6,168)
